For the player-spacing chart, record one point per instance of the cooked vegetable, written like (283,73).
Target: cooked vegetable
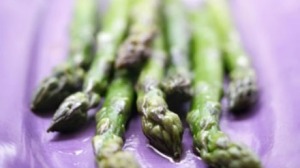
(162,127)
(214,146)
(111,121)
(242,90)
(136,47)
(72,113)
(67,78)
(177,85)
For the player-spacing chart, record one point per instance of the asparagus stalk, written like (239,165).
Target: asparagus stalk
(111,121)
(161,126)
(213,145)
(136,47)
(72,113)
(67,78)
(177,85)
(242,90)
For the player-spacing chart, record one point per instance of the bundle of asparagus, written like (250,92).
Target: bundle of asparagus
(132,31)
(67,78)
(72,113)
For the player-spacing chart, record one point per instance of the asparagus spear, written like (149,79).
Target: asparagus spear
(111,121)
(160,125)
(177,85)
(136,47)
(67,78)
(242,91)
(72,113)
(213,145)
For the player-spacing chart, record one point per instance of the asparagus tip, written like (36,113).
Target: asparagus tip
(177,87)
(134,51)
(242,93)
(164,132)
(44,95)
(218,150)
(71,114)
(54,89)
(51,128)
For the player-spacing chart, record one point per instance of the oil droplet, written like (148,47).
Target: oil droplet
(78,152)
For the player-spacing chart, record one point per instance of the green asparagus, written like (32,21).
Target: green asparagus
(177,85)
(161,126)
(214,146)
(136,47)
(111,121)
(242,90)
(72,113)
(67,78)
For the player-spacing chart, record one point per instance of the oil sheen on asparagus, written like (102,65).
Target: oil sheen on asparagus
(72,113)
(242,91)
(67,78)
(161,126)
(111,121)
(213,145)
(177,85)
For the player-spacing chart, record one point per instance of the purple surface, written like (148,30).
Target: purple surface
(33,38)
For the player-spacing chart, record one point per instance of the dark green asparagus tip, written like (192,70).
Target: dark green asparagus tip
(162,127)
(71,114)
(218,151)
(134,51)
(166,138)
(242,91)
(54,89)
(214,146)
(177,88)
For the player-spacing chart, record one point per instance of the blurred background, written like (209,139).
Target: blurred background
(34,38)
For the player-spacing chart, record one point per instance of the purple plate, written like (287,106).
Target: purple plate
(34,38)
